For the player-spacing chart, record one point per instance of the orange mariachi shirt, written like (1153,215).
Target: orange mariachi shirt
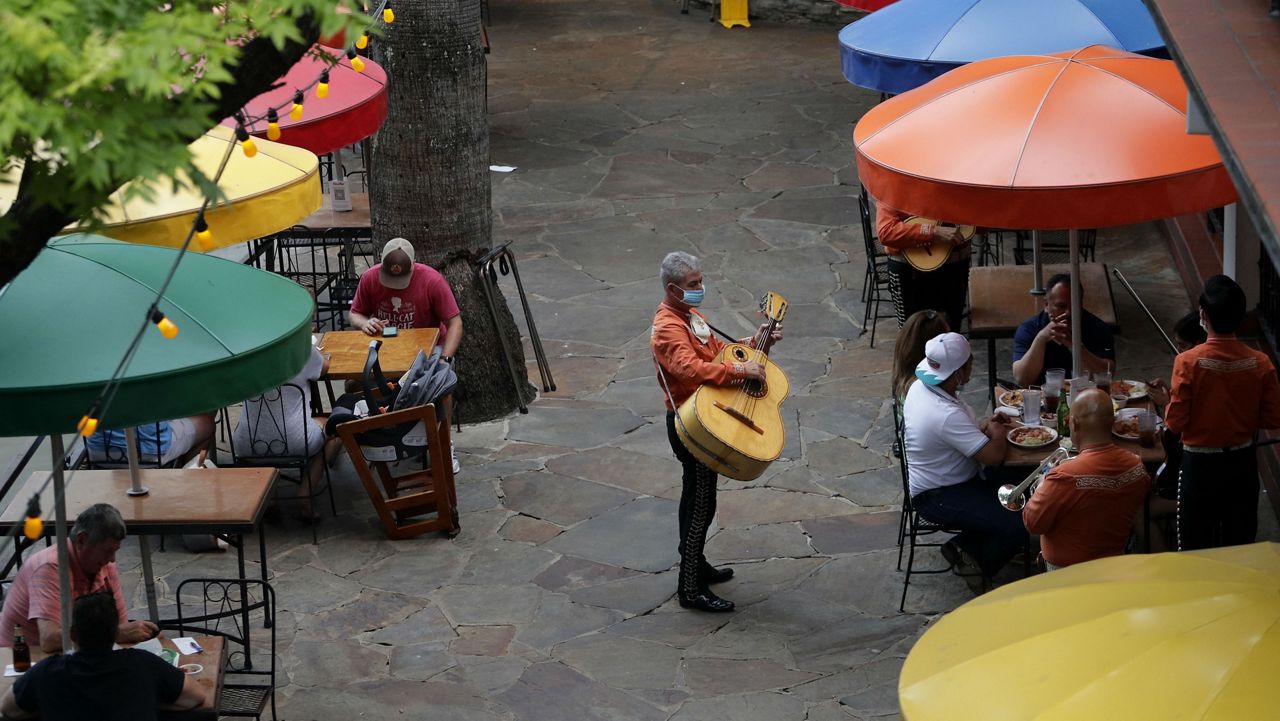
(1085,507)
(686,347)
(895,234)
(1222,391)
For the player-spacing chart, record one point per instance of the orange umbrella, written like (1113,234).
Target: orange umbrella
(1082,139)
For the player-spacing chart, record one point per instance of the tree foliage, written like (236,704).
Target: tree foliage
(100,92)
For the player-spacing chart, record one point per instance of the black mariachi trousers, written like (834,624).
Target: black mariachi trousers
(1218,499)
(697,508)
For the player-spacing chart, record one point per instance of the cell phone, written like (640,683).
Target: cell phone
(388,331)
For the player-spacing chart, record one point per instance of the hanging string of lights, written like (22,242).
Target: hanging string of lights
(33,524)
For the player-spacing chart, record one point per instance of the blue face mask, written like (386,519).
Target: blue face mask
(694,297)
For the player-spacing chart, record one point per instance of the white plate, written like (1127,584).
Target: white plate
(1053,436)
(1137,391)
(1007,399)
(1125,414)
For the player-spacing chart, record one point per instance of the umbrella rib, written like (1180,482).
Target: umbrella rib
(1142,88)
(1031,126)
(943,36)
(1104,25)
(1235,668)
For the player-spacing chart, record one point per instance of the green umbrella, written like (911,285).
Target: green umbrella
(68,319)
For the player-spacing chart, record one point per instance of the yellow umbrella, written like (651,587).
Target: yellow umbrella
(1167,636)
(264,194)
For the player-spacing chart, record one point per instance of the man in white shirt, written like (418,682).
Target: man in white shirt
(946,448)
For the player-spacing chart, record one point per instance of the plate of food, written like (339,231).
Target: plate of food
(1032,436)
(1126,424)
(1011,398)
(1133,389)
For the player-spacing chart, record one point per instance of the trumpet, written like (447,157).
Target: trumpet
(1015,497)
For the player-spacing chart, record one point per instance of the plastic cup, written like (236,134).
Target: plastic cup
(1031,406)
(1147,429)
(1053,378)
(1078,386)
(1102,379)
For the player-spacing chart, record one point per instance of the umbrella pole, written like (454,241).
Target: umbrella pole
(60,526)
(1077,357)
(144,542)
(1229,241)
(1035,260)
(135,476)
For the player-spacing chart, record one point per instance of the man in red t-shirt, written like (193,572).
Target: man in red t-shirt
(1085,508)
(401,293)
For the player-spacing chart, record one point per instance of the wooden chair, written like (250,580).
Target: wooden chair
(402,501)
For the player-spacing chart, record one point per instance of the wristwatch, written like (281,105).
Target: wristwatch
(447,359)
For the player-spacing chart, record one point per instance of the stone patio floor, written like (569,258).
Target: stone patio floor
(637,131)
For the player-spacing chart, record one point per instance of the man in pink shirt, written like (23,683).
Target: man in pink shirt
(33,601)
(401,293)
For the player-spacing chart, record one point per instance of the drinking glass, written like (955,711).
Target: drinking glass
(1102,379)
(1053,378)
(1031,406)
(1147,429)
(1078,386)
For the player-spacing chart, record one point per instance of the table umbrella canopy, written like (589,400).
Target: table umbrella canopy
(264,194)
(69,317)
(915,41)
(867,5)
(1173,636)
(353,110)
(1089,138)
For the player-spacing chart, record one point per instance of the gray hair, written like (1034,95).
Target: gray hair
(100,522)
(677,266)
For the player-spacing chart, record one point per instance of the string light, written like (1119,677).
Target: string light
(296,111)
(363,41)
(33,527)
(356,63)
(89,421)
(204,236)
(168,328)
(246,142)
(388,16)
(322,87)
(273,125)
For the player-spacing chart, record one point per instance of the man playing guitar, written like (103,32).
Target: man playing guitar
(684,350)
(944,289)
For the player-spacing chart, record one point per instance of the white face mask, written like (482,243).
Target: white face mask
(1204,326)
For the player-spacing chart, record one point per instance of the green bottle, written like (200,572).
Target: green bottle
(1064,429)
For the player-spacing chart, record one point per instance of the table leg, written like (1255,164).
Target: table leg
(991,369)
(262,559)
(244,604)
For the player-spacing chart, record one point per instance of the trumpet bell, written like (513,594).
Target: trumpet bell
(1009,500)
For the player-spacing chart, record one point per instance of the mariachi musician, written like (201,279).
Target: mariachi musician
(944,288)
(684,350)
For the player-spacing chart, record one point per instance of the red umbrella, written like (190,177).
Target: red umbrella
(354,109)
(1082,139)
(867,5)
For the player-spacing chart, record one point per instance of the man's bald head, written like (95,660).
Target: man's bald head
(1092,416)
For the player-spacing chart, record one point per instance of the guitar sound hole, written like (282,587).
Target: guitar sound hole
(755,388)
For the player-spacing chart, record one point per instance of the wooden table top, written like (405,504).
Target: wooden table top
(213,658)
(225,499)
(999,299)
(348,350)
(327,217)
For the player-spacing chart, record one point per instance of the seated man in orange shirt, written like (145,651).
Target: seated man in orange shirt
(946,288)
(1085,507)
(1221,394)
(684,351)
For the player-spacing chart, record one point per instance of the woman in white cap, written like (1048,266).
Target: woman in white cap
(946,448)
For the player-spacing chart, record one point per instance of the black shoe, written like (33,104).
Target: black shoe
(705,601)
(711,574)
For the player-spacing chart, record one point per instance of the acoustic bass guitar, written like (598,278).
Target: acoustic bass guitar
(736,430)
(932,256)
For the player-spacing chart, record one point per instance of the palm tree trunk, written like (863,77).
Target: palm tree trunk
(429,180)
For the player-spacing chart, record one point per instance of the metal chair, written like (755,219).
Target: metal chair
(1054,247)
(268,423)
(304,257)
(877,281)
(913,526)
(231,608)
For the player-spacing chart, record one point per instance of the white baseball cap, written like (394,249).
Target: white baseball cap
(943,355)
(396,276)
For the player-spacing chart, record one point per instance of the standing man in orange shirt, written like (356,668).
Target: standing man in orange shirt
(1221,394)
(946,288)
(684,350)
(1085,507)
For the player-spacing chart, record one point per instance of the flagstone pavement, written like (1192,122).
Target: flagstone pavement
(636,131)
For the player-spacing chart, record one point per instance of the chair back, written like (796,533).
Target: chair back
(271,422)
(900,442)
(115,452)
(243,613)
(873,247)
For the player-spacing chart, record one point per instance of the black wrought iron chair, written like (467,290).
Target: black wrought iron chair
(913,526)
(268,422)
(313,259)
(877,285)
(242,612)
(1054,247)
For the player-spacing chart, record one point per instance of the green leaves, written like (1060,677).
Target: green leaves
(100,92)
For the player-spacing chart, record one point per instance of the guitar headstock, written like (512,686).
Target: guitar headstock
(773,306)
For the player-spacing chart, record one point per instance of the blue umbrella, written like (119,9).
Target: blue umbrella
(911,42)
